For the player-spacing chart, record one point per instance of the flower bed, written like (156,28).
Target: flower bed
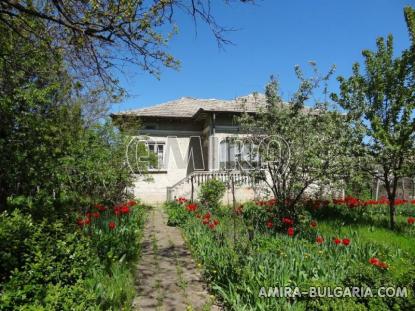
(58,266)
(252,247)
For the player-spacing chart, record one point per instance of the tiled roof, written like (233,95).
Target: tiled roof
(187,107)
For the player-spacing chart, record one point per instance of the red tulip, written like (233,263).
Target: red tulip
(269,224)
(191,207)
(337,241)
(125,209)
(288,221)
(100,207)
(181,200)
(313,224)
(111,225)
(411,220)
(207,216)
(83,222)
(346,242)
(319,240)
(376,262)
(290,231)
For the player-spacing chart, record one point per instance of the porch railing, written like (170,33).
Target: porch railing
(197,178)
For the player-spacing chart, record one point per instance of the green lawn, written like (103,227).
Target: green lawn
(373,234)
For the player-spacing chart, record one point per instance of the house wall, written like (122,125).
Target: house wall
(176,135)
(152,188)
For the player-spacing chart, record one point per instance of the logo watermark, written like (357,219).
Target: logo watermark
(333,292)
(229,153)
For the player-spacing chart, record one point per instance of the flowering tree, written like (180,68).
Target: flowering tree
(381,102)
(299,147)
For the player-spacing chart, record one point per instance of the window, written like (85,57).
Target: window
(237,155)
(150,127)
(156,150)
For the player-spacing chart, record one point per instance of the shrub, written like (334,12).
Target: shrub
(176,213)
(15,228)
(50,266)
(211,192)
(53,264)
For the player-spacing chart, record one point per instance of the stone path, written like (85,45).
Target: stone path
(167,278)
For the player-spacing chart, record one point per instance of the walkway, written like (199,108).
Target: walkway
(167,277)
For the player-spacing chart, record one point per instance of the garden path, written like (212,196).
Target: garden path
(167,278)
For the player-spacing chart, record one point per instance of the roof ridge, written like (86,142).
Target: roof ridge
(187,107)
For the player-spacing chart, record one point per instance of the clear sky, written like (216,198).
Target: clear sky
(273,36)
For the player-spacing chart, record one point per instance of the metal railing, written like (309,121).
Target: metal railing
(199,177)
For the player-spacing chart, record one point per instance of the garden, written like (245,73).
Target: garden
(246,250)
(71,229)
(84,264)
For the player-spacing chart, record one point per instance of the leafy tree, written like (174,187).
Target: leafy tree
(47,150)
(91,34)
(299,147)
(36,117)
(381,102)
(94,169)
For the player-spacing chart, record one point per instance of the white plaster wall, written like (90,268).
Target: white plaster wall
(155,191)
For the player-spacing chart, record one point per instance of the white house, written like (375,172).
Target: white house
(191,140)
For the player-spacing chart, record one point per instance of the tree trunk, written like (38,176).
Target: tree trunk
(392,214)
(392,197)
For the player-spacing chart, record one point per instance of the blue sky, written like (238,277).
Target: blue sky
(273,37)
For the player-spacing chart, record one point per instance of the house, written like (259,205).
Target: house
(191,140)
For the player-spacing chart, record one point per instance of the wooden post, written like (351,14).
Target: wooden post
(191,179)
(413,189)
(234,207)
(377,189)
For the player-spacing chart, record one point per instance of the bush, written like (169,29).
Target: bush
(370,277)
(15,228)
(51,268)
(176,213)
(211,192)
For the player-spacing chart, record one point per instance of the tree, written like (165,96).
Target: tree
(47,150)
(96,36)
(381,102)
(35,117)
(299,147)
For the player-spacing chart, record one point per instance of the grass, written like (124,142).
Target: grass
(367,233)
(237,268)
